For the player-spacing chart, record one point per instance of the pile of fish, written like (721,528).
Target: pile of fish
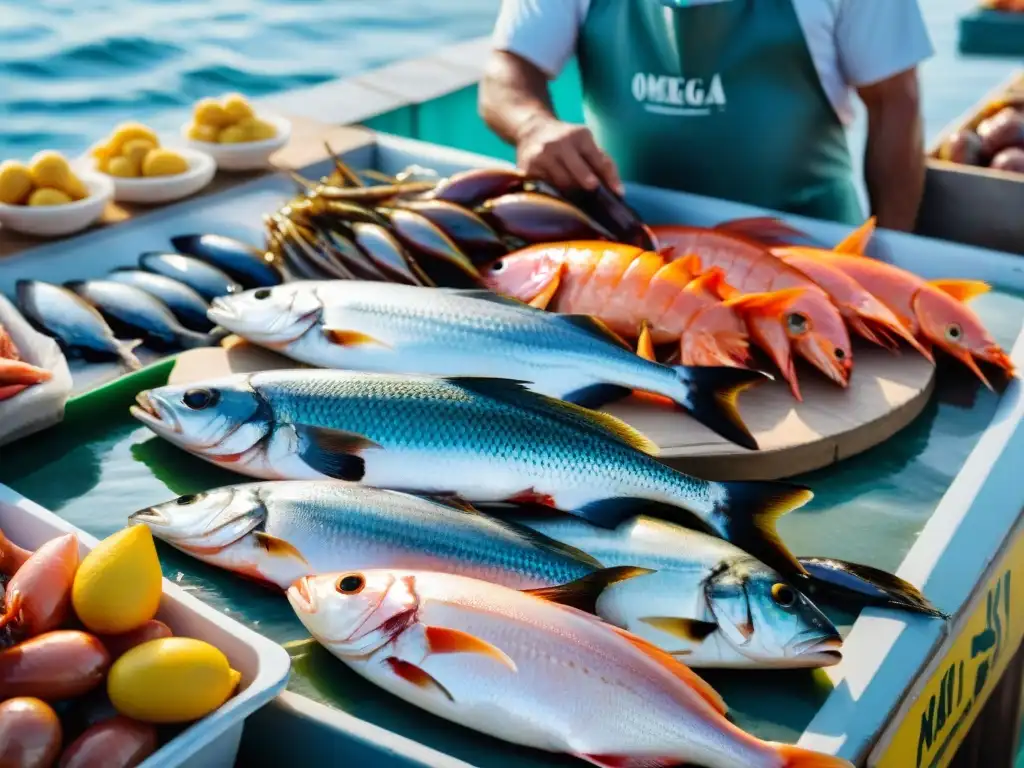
(15,374)
(163,304)
(490,553)
(692,295)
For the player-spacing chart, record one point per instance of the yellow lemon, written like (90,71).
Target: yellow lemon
(171,680)
(126,132)
(15,183)
(49,169)
(137,149)
(164,162)
(200,132)
(122,167)
(75,188)
(237,107)
(209,112)
(48,196)
(118,585)
(261,130)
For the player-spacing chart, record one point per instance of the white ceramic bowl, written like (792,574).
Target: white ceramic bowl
(60,220)
(162,189)
(246,156)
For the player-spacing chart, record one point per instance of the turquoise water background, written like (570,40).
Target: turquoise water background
(70,71)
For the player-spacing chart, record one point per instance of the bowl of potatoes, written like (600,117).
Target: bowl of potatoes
(233,134)
(145,171)
(47,198)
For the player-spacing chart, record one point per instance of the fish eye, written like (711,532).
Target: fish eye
(954,332)
(352,584)
(796,323)
(840,354)
(783,595)
(262,293)
(198,399)
(190,498)
(498,265)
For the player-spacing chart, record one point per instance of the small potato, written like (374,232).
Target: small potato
(126,132)
(119,644)
(237,107)
(48,196)
(15,183)
(1002,130)
(209,112)
(962,147)
(261,130)
(75,187)
(116,743)
(233,135)
(136,150)
(30,733)
(164,162)
(57,665)
(123,168)
(1010,159)
(200,132)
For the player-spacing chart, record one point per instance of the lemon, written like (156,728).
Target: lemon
(49,169)
(261,130)
(237,107)
(118,585)
(15,183)
(75,188)
(126,132)
(137,149)
(164,162)
(48,196)
(209,112)
(233,135)
(171,680)
(200,132)
(122,167)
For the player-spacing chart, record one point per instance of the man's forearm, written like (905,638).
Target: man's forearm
(894,165)
(513,96)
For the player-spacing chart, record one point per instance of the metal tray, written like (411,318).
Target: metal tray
(908,504)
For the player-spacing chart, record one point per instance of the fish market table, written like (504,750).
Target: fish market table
(939,504)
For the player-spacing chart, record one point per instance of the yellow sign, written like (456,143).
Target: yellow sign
(937,722)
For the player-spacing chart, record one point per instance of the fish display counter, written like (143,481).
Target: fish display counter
(938,505)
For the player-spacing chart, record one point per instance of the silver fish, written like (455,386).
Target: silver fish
(707,601)
(188,306)
(486,440)
(74,323)
(137,313)
(279,531)
(372,326)
(205,279)
(250,266)
(529,671)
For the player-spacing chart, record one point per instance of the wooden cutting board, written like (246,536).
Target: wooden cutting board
(886,393)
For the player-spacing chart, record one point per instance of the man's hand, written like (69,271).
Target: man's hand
(564,154)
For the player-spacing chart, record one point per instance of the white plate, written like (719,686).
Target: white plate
(246,156)
(60,220)
(161,189)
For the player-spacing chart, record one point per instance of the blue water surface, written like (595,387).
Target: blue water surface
(70,71)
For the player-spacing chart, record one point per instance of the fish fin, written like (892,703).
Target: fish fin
(417,676)
(713,282)
(351,338)
(863,585)
(277,547)
(453,501)
(690,263)
(126,351)
(769,230)
(446,640)
(710,395)
(594,327)
(549,289)
(510,391)
(644,345)
(769,303)
(701,687)
(333,452)
(667,252)
(750,511)
(596,395)
(582,594)
(692,630)
(797,757)
(626,761)
(484,295)
(678,273)
(855,243)
(962,290)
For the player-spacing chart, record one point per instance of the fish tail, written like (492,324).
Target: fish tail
(126,351)
(798,757)
(859,586)
(748,512)
(194,340)
(710,395)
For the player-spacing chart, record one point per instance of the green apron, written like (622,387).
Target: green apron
(720,100)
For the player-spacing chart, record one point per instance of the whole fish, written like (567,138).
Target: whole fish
(487,440)
(206,280)
(279,531)
(250,266)
(529,671)
(706,600)
(188,306)
(448,332)
(74,323)
(137,313)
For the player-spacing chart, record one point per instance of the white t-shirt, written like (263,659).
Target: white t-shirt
(853,42)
